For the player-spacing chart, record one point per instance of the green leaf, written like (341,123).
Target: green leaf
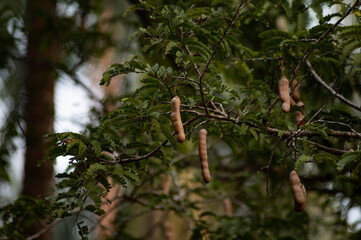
(96,167)
(198,46)
(348,160)
(90,208)
(280,133)
(196,12)
(254,133)
(275,34)
(166,127)
(325,157)
(244,128)
(170,47)
(301,162)
(131,174)
(97,147)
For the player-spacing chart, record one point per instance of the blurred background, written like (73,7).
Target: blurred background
(52,56)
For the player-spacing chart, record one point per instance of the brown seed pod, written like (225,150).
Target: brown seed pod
(176,119)
(303,190)
(227,206)
(166,184)
(283,88)
(299,115)
(301,105)
(295,90)
(293,103)
(168,230)
(286,107)
(298,208)
(202,144)
(298,192)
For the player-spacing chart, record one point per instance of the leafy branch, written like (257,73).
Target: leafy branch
(308,52)
(339,96)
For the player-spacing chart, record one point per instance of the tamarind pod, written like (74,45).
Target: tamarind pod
(168,231)
(166,184)
(298,194)
(298,191)
(176,119)
(286,107)
(303,190)
(202,145)
(301,105)
(293,103)
(298,208)
(299,117)
(227,206)
(181,137)
(295,90)
(283,88)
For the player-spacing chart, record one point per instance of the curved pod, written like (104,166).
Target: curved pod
(299,117)
(298,191)
(176,119)
(168,230)
(283,88)
(202,145)
(295,90)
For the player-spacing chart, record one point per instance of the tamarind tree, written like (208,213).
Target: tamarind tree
(223,59)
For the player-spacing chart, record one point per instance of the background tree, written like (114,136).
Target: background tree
(43,51)
(40,40)
(223,59)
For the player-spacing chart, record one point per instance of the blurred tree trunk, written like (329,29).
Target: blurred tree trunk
(42,57)
(106,225)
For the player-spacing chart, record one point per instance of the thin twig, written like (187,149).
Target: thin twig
(271,131)
(155,12)
(339,96)
(214,52)
(308,52)
(321,108)
(302,133)
(298,83)
(339,123)
(256,59)
(196,69)
(44,230)
(220,40)
(323,36)
(267,179)
(134,159)
(327,149)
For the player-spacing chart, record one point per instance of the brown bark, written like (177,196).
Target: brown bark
(42,56)
(106,225)
(103,230)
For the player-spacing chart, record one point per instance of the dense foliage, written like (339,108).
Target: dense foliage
(223,59)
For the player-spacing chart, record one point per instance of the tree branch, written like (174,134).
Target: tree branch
(220,40)
(327,149)
(308,52)
(44,230)
(267,180)
(323,36)
(339,96)
(308,133)
(196,69)
(339,123)
(271,131)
